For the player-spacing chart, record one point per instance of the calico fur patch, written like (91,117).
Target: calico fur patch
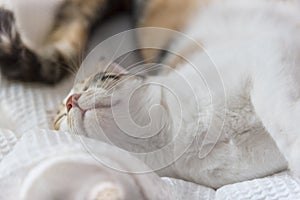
(66,40)
(170,14)
(18,62)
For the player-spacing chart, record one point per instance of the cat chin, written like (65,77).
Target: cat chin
(75,121)
(87,123)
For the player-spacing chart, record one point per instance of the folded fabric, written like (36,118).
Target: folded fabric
(51,165)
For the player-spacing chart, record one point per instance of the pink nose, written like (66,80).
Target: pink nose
(72,100)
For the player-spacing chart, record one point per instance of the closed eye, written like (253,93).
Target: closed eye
(85,88)
(109,76)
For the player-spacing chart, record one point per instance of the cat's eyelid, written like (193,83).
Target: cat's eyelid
(85,88)
(110,76)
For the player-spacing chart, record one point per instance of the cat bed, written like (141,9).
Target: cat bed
(26,139)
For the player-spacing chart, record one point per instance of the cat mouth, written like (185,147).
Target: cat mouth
(77,115)
(95,107)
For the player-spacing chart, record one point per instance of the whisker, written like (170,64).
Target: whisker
(142,71)
(105,83)
(123,59)
(114,54)
(112,60)
(137,63)
(67,68)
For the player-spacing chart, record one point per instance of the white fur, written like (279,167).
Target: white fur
(256,48)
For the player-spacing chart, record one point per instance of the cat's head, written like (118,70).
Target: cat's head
(112,104)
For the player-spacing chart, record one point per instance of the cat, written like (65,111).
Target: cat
(47,53)
(238,124)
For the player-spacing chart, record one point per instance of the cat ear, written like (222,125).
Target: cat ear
(116,68)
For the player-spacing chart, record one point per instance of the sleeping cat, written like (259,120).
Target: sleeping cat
(43,40)
(239,126)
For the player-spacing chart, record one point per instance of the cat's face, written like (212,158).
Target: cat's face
(100,103)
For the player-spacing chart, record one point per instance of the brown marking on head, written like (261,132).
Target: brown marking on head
(183,54)
(170,14)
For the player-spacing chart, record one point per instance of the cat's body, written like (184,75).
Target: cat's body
(252,98)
